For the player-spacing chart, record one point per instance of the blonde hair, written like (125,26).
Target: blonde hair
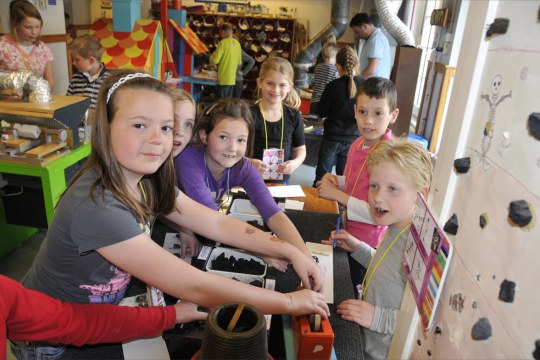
(179,95)
(329,38)
(348,60)
(284,67)
(329,50)
(87,46)
(411,158)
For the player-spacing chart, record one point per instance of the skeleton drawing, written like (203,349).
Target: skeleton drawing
(493,100)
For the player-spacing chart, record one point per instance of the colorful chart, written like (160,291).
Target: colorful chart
(426,259)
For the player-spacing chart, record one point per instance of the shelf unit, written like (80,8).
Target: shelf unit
(261,36)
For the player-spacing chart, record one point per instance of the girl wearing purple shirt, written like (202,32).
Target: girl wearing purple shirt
(208,170)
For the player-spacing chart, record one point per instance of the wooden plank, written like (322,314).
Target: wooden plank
(44,150)
(43,110)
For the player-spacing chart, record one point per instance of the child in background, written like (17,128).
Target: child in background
(100,234)
(325,72)
(337,106)
(28,315)
(398,170)
(22,47)
(86,52)
(243,69)
(207,171)
(228,57)
(278,124)
(374,110)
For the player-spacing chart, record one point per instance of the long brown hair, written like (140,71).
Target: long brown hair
(18,11)
(160,187)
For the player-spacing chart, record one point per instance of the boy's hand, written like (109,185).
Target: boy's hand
(344,240)
(331,178)
(327,190)
(358,311)
(305,302)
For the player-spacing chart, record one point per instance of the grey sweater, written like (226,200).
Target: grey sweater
(385,291)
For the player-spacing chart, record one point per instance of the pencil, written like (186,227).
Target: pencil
(337,228)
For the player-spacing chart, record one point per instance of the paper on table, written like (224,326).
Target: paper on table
(325,254)
(142,349)
(286,191)
(294,204)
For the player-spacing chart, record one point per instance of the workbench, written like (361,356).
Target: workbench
(53,182)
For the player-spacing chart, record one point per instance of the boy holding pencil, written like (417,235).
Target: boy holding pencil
(398,171)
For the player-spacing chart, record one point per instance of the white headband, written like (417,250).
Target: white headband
(123,79)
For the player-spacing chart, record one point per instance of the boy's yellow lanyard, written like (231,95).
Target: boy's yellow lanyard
(365,289)
(266,131)
(361,168)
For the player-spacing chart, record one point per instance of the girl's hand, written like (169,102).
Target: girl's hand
(287,167)
(358,311)
(260,165)
(344,240)
(187,311)
(276,263)
(191,246)
(308,271)
(305,301)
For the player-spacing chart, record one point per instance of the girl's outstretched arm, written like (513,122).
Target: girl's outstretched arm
(219,227)
(143,258)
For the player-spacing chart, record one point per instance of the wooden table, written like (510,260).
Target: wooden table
(312,201)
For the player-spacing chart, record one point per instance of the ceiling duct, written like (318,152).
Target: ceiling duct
(399,31)
(339,20)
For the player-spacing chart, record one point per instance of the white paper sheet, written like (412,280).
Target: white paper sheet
(325,254)
(144,349)
(286,191)
(294,204)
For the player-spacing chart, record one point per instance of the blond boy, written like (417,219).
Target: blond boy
(86,52)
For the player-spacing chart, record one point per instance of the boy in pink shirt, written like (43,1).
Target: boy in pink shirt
(375,110)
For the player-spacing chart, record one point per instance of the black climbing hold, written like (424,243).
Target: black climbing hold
(481,330)
(520,213)
(438,330)
(536,352)
(533,124)
(507,291)
(451,225)
(462,165)
(483,220)
(498,27)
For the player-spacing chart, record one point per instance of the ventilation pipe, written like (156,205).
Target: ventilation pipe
(392,23)
(339,21)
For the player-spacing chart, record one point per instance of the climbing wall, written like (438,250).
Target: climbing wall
(490,305)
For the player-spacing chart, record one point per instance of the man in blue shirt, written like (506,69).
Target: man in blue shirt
(375,57)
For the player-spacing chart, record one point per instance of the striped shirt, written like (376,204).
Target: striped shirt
(324,73)
(81,85)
